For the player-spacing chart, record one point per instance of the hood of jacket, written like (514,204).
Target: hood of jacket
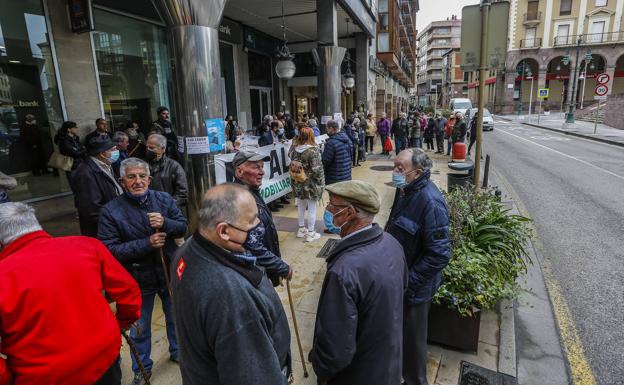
(340,136)
(302,148)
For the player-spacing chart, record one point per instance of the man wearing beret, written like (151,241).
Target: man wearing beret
(358,333)
(419,221)
(94,183)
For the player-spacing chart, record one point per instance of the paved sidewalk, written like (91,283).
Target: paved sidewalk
(556,122)
(309,271)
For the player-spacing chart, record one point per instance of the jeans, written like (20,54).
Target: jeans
(440,144)
(369,143)
(449,146)
(417,142)
(383,142)
(415,319)
(399,144)
(144,341)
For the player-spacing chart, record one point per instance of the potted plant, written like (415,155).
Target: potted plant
(489,254)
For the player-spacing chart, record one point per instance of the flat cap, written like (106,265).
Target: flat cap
(362,194)
(99,144)
(246,156)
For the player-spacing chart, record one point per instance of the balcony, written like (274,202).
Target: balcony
(533,43)
(590,39)
(406,5)
(560,41)
(531,19)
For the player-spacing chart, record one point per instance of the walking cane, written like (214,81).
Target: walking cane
(137,358)
(292,310)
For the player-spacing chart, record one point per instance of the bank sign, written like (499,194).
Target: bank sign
(276,179)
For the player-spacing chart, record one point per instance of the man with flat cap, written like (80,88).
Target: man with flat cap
(358,333)
(263,241)
(94,183)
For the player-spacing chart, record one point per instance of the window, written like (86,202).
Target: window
(529,38)
(601,3)
(466,76)
(596,33)
(563,32)
(383,42)
(532,10)
(565,8)
(383,6)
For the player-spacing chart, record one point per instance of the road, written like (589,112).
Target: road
(574,190)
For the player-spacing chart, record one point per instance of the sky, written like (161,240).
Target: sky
(434,10)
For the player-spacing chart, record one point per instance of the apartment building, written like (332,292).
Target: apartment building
(395,54)
(454,79)
(544,38)
(433,42)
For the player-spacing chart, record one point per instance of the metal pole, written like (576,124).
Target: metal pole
(485,15)
(570,117)
(531,97)
(596,118)
(539,112)
(583,89)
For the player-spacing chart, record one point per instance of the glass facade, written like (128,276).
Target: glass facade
(132,58)
(30,105)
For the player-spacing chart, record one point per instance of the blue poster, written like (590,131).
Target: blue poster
(216,134)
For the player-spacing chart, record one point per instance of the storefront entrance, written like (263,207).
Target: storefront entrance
(261,103)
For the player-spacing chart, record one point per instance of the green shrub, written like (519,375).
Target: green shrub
(489,251)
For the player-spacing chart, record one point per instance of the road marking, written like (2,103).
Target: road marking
(566,155)
(580,369)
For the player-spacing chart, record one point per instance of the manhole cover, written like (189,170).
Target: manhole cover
(327,248)
(382,168)
(471,374)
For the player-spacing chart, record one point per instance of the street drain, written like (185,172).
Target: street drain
(472,374)
(327,248)
(382,168)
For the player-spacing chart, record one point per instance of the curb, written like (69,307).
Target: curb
(607,141)
(507,339)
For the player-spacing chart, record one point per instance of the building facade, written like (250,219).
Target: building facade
(544,38)
(454,79)
(433,42)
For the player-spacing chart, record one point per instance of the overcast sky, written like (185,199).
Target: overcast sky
(434,10)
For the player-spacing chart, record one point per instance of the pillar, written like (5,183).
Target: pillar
(541,83)
(361,69)
(508,93)
(610,70)
(197,71)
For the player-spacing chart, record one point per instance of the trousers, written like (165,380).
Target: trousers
(415,319)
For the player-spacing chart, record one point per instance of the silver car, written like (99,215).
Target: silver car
(488,121)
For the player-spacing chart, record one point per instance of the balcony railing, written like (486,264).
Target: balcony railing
(535,42)
(564,40)
(590,38)
(532,16)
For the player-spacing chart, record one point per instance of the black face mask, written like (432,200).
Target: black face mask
(150,156)
(254,236)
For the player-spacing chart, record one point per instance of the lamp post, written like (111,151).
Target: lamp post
(529,76)
(285,68)
(570,115)
(588,59)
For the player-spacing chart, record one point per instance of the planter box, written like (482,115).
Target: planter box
(447,327)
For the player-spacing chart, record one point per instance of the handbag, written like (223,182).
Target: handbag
(388,145)
(60,161)
(296,171)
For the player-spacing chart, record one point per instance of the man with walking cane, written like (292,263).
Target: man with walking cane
(139,228)
(232,327)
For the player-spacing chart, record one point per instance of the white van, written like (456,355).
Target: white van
(460,105)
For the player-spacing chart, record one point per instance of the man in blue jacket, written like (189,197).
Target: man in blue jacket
(419,221)
(337,155)
(135,227)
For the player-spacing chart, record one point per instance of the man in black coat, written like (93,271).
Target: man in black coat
(358,332)
(167,174)
(263,241)
(230,321)
(94,183)
(163,126)
(399,131)
(101,129)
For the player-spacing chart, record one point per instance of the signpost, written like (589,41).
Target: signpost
(600,93)
(542,93)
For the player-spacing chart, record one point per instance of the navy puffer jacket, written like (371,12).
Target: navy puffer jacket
(124,229)
(419,221)
(337,158)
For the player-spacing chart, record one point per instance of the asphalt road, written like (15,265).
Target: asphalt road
(574,191)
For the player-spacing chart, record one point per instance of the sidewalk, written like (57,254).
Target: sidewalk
(556,122)
(496,350)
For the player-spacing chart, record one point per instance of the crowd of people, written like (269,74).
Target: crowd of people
(225,323)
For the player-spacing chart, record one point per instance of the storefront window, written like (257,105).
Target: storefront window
(133,66)
(30,108)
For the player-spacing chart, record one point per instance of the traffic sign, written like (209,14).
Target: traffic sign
(603,78)
(596,97)
(543,93)
(601,90)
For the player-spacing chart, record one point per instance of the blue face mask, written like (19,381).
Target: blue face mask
(399,178)
(328,218)
(114,156)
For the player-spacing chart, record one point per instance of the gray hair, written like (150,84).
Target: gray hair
(119,136)
(420,159)
(160,139)
(132,162)
(16,219)
(312,123)
(221,204)
(333,124)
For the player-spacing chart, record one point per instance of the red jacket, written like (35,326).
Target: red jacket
(56,326)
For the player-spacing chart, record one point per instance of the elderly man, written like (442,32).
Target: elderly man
(358,332)
(101,129)
(263,241)
(139,228)
(56,326)
(383,130)
(337,155)
(419,221)
(460,128)
(399,131)
(167,174)
(121,141)
(95,183)
(230,320)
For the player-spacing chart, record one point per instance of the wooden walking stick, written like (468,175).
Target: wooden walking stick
(137,358)
(292,310)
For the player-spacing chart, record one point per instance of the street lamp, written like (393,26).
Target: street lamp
(588,59)
(348,79)
(285,67)
(529,75)
(570,115)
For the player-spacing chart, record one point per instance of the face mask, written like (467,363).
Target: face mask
(399,178)
(328,218)
(280,131)
(114,156)
(132,133)
(254,236)
(150,156)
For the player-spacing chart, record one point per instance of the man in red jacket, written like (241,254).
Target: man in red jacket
(56,326)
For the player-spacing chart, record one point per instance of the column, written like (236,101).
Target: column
(541,83)
(197,71)
(508,93)
(361,69)
(610,70)
(328,58)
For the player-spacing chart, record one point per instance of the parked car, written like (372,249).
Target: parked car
(488,121)
(460,105)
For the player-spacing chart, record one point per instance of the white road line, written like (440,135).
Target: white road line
(564,154)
